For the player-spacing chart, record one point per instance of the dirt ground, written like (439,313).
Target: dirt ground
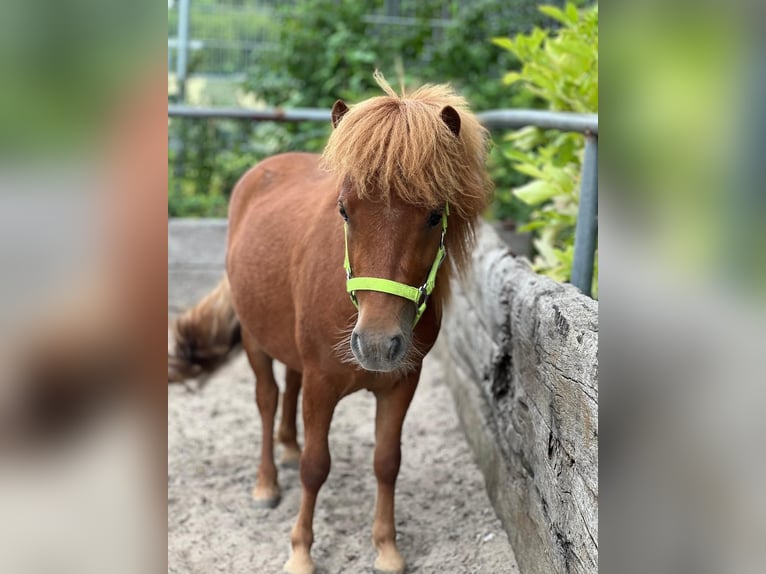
(444,519)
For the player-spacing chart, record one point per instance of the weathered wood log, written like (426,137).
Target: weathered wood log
(521,357)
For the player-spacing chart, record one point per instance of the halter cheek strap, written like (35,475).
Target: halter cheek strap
(418,295)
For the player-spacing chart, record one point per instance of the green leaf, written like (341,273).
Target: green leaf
(517,155)
(530,170)
(511,77)
(505,43)
(572,14)
(554,13)
(525,138)
(531,226)
(547,252)
(560,176)
(578,48)
(535,192)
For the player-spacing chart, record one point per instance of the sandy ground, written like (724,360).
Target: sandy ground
(444,519)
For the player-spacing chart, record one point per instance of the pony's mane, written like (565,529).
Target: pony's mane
(400,145)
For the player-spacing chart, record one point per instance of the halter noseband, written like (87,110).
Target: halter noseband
(418,295)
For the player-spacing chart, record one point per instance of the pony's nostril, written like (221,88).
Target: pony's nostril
(395,347)
(355,343)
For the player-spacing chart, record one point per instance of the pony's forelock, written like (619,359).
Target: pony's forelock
(399,146)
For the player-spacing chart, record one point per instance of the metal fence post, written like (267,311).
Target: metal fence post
(182,48)
(587,219)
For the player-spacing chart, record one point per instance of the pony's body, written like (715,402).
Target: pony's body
(407,175)
(284,267)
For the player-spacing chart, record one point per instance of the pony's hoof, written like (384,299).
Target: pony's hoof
(267,503)
(291,458)
(390,562)
(266,497)
(299,565)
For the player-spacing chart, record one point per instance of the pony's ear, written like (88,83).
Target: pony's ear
(451,118)
(339,110)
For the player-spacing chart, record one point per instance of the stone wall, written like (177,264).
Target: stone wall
(521,357)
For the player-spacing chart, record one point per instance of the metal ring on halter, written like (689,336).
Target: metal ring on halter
(423,295)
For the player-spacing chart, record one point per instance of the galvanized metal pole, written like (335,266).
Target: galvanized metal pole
(182,48)
(563,121)
(259,115)
(587,219)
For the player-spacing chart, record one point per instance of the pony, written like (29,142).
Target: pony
(334,268)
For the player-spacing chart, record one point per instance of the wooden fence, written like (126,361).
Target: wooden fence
(521,357)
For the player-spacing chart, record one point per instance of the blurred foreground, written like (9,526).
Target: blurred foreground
(683,276)
(82,232)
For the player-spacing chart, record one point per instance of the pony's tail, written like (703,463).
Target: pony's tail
(204,336)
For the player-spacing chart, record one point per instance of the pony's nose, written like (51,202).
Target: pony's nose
(378,351)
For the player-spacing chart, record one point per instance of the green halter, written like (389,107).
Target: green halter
(418,295)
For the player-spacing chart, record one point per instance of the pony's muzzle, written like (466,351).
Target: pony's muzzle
(377,351)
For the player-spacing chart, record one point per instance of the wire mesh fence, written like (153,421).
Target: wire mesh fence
(225,37)
(228,36)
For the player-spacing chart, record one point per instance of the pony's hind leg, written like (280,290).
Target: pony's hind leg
(266,491)
(288,435)
(392,405)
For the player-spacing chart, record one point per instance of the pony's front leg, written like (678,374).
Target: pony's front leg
(319,401)
(392,405)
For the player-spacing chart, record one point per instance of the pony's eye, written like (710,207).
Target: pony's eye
(343,213)
(434,218)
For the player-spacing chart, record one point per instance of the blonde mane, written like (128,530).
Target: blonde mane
(400,145)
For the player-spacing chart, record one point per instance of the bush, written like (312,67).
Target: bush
(207,157)
(329,49)
(560,68)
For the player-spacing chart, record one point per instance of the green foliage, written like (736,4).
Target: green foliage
(329,48)
(206,158)
(321,57)
(560,68)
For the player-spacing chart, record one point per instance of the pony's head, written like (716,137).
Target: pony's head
(412,178)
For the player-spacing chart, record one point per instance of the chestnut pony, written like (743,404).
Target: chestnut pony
(402,179)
